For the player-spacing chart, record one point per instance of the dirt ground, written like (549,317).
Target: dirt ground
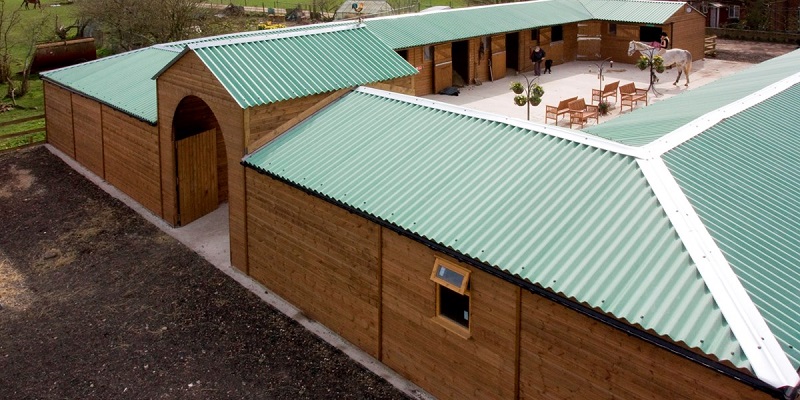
(750,52)
(96,303)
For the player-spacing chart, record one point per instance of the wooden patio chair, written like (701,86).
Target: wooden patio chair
(580,113)
(609,90)
(630,95)
(553,112)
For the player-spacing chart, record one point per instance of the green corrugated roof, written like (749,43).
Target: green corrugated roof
(577,220)
(411,30)
(743,177)
(259,71)
(660,118)
(123,82)
(633,11)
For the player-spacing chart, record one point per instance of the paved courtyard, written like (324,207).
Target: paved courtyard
(578,79)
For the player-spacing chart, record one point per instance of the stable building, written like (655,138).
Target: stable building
(481,257)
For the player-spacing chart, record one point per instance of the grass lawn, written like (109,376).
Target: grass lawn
(423,4)
(32,103)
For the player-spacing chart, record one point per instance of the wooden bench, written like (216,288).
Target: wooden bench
(553,112)
(580,113)
(630,95)
(609,90)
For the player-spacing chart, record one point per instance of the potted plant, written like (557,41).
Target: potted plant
(535,100)
(538,91)
(603,107)
(517,87)
(520,100)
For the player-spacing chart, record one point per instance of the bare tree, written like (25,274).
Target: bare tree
(130,24)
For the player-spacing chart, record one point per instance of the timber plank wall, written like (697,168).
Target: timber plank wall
(130,150)
(58,118)
(119,148)
(372,286)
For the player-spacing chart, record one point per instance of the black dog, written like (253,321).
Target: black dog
(547,64)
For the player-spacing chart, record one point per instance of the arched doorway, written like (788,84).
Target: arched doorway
(201,165)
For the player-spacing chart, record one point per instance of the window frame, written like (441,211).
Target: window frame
(465,273)
(446,322)
(612,29)
(734,12)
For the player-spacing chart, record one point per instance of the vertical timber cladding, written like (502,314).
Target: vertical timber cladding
(130,150)
(320,257)
(560,51)
(189,77)
(567,355)
(88,134)
(58,118)
(443,66)
(422,59)
(497,61)
(589,40)
(479,47)
(687,31)
(197,175)
(615,42)
(444,363)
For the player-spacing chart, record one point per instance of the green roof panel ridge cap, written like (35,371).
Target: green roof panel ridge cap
(767,358)
(702,123)
(274,36)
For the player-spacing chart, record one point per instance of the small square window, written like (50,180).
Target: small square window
(427,53)
(612,29)
(535,35)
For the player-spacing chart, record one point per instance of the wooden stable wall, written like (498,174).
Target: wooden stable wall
(88,134)
(189,77)
(687,31)
(130,151)
(319,257)
(58,118)
(561,51)
(372,286)
(567,355)
(441,361)
(115,146)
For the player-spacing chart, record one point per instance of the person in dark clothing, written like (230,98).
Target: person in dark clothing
(537,55)
(664,41)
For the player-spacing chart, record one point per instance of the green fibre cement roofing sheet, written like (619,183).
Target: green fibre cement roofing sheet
(123,81)
(281,67)
(642,12)
(658,119)
(577,220)
(743,178)
(411,30)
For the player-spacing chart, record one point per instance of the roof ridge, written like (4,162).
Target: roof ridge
(274,36)
(697,126)
(766,356)
(555,131)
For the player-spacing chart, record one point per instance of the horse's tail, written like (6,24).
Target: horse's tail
(688,62)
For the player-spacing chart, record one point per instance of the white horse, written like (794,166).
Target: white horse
(679,57)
